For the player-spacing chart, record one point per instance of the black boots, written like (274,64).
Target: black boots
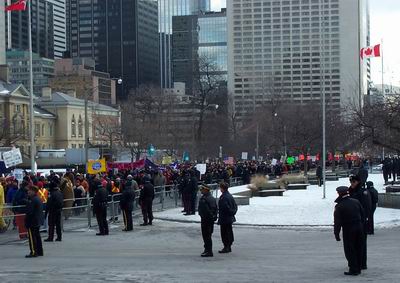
(225,250)
(207,254)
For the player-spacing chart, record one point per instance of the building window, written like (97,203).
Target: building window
(73,127)
(80,126)
(37,130)
(50,130)
(43,130)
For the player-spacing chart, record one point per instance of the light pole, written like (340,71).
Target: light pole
(284,137)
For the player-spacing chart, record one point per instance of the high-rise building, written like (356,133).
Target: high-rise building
(199,41)
(18,64)
(166,10)
(42,24)
(2,35)
(60,32)
(121,36)
(288,49)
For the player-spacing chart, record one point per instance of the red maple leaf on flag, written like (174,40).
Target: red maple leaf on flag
(368,51)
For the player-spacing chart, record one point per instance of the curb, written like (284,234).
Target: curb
(250,225)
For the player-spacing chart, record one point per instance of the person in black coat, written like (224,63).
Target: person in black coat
(363,174)
(386,169)
(348,216)
(146,198)
(192,190)
(208,212)
(100,209)
(33,220)
(319,175)
(126,204)
(374,201)
(362,195)
(227,209)
(54,207)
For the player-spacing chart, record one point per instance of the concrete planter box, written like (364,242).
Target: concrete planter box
(392,189)
(241,200)
(389,200)
(247,193)
(292,187)
(271,193)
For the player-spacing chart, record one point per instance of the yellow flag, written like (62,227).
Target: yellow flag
(96,166)
(167,160)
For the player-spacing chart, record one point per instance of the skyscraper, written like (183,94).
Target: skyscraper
(42,24)
(60,32)
(199,40)
(166,10)
(288,49)
(121,36)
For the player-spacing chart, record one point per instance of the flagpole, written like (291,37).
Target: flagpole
(31,110)
(383,87)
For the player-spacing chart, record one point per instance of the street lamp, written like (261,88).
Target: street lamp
(284,136)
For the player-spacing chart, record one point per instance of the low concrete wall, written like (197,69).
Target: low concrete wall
(241,200)
(244,193)
(389,200)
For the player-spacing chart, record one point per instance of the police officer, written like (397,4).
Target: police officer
(54,210)
(126,203)
(208,212)
(374,201)
(33,220)
(359,193)
(100,209)
(146,198)
(349,216)
(226,216)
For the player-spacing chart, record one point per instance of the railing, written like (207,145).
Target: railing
(78,212)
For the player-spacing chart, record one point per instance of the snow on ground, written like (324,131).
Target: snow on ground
(306,207)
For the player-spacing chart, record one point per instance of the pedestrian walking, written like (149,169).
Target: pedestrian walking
(100,209)
(319,175)
(126,203)
(208,212)
(374,201)
(33,220)
(348,217)
(359,193)
(54,211)
(146,198)
(227,209)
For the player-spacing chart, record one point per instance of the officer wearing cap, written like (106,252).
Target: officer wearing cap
(54,208)
(100,209)
(348,217)
(358,192)
(208,212)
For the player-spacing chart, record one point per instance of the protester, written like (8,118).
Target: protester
(2,202)
(126,203)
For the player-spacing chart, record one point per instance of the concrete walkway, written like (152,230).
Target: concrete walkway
(170,252)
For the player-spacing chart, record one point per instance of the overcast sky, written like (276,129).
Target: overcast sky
(385,20)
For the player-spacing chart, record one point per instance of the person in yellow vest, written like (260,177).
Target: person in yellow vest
(116,196)
(3,225)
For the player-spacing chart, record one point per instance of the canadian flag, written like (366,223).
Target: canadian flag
(371,51)
(20,5)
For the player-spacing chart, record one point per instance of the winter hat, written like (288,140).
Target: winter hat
(342,190)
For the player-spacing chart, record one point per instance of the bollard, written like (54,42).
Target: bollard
(162,197)
(113,217)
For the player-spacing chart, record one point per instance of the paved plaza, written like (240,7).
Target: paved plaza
(170,252)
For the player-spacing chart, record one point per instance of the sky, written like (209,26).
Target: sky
(385,20)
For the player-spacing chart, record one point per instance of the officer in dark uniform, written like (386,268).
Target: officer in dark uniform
(374,201)
(100,209)
(146,198)
(349,216)
(359,193)
(33,220)
(208,212)
(54,207)
(126,204)
(227,209)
